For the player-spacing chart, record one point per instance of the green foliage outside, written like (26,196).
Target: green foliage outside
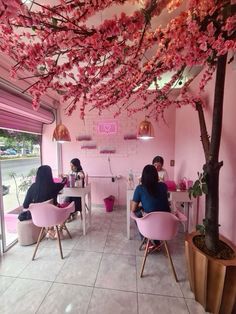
(24,183)
(18,141)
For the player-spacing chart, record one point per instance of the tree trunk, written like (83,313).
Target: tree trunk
(212,166)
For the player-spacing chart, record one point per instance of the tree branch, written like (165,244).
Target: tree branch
(218,108)
(203,130)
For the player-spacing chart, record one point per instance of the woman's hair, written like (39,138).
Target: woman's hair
(158,159)
(43,181)
(150,179)
(76,162)
(44,175)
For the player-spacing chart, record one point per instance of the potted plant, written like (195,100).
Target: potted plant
(115,70)
(211,259)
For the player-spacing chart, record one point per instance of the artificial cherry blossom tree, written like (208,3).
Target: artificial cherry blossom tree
(108,65)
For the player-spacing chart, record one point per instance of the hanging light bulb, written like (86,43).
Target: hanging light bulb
(145,130)
(61,134)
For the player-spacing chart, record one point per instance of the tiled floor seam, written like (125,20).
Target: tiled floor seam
(102,253)
(136,268)
(44,298)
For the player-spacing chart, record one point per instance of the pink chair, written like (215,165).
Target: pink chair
(161,226)
(47,215)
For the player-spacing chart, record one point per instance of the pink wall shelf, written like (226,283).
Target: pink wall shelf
(130,137)
(107,151)
(83,138)
(88,146)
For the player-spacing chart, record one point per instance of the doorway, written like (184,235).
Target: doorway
(19,159)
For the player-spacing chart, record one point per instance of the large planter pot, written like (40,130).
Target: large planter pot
(213,281)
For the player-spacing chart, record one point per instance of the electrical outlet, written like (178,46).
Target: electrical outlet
(172,163)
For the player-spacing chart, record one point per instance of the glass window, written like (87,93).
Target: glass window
(19,160)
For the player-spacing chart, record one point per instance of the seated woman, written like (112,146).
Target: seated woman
(151,193)
(44,188)
(158,162)
(77,170)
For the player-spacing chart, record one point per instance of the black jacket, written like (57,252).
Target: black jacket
(43,194)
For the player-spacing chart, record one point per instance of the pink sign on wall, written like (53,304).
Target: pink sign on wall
(107,127)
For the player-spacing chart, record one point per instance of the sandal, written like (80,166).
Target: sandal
(72,217)
(152,247)
(51,234)
(61,234)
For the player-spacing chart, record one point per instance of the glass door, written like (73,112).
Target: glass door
(19,160)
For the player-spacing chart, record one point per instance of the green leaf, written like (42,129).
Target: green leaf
(199,191)
(54,21)
(12,174)
(42,68)
(200,228)
(190,193)
(199,187)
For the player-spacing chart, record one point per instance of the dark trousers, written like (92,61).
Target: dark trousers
(77,200)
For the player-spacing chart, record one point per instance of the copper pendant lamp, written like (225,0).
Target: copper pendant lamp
(145,130)
(61,134)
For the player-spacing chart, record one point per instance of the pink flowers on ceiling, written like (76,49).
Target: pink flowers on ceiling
(109,65)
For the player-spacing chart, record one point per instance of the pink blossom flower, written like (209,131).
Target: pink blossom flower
(110,63)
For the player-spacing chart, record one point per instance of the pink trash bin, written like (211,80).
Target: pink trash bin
(109,203)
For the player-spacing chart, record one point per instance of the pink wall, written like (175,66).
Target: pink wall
(189,153)
(130,154)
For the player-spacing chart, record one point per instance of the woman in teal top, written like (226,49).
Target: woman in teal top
(151,193)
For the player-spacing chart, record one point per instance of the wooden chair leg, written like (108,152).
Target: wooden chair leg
(171,262)
(44,234)
(65,227)
(40,237)
(144,258)
(141,245)
(59,241)
(157,247)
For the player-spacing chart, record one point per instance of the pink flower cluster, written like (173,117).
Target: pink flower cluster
(9,10)
(108,65)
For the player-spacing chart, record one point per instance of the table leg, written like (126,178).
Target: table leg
(186,211)
(89,209)
(83,214)
(128,218)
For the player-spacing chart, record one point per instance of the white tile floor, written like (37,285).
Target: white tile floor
(99,274)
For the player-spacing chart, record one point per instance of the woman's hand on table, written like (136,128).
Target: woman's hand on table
(64,176)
